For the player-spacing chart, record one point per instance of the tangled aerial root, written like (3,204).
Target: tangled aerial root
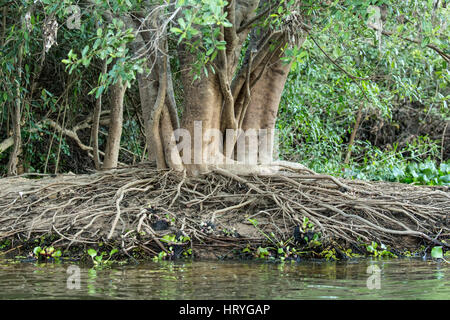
(122,205)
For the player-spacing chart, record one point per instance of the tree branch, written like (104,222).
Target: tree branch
(171,103)
(229,120)
(248,23)
(444,55)
(262,51)
(335,63)
(155,114)
(96,123)
(230,35)
(246,102)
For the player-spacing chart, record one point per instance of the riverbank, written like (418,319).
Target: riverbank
(210,280)
(143,213)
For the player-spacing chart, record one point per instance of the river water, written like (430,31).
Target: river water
(205,280)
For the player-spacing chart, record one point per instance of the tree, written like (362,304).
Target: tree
(231,59)
(232,76)
(235,57)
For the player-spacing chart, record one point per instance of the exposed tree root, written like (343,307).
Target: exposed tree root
(121,206)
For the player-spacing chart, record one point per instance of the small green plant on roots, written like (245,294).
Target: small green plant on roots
(329,254)
(5,244)
(308,234)
(379,250)
(46,253)
(438,253)
(97,259)
(281,249)
(176,247)
(265,252)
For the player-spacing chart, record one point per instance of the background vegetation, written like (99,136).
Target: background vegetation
(402,135)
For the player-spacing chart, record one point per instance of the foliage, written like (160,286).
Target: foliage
(424,173)
(438,253)
(177,247)
(379,250)
(47,90)
(110,46)
(311,237)
(200,26)
(320,101)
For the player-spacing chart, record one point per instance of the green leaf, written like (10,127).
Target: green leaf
(99,92)
(182,23)
(85,50)
(168,238)
(214,55)
(96,44)
(426,41)
(86,61)
(227,24)
(437,253)
(57,254)
(176,30)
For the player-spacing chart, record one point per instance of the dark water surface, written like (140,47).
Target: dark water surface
(398,279)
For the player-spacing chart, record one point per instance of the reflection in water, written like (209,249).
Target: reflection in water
(399,279)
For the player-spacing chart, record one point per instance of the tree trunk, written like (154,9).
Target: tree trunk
(13,162)
(202,109)
(17,150)
(262,110)
(115,125)
(148,90)
(96,124)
